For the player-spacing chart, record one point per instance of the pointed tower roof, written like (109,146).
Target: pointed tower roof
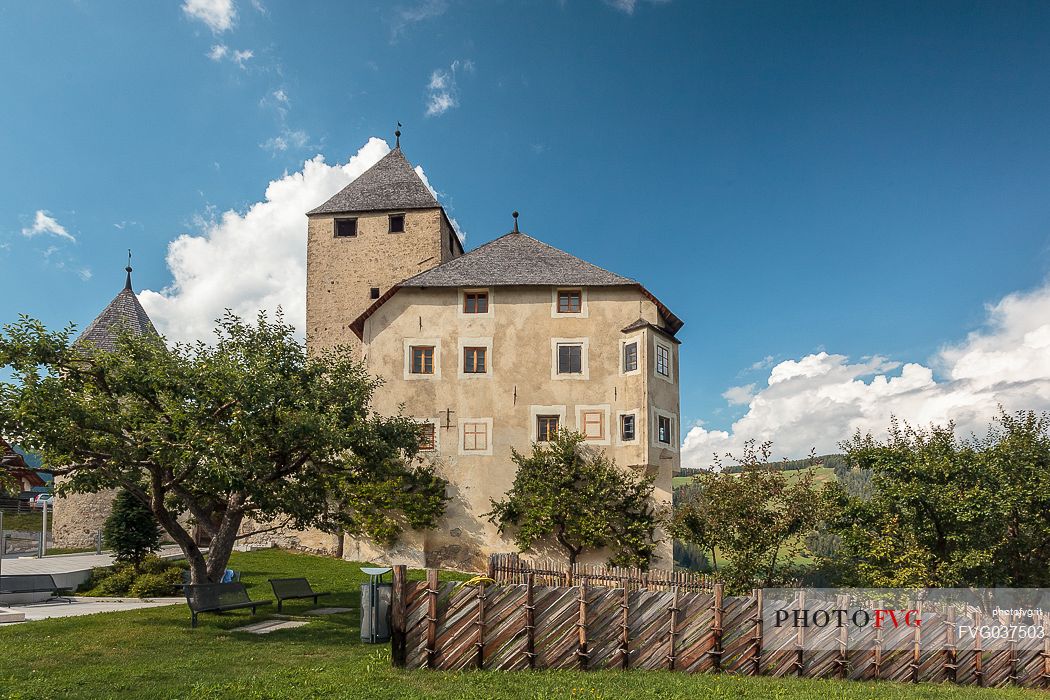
(392,183)
(124,312)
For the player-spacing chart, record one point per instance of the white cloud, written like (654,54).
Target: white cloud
(738,395)
(252,260)
(821,399)
(219,15)
(44,223)
(443,89)
(629,6)
(296,138)
(406,16)
(765,363)
(439,196)
(221,52)
(85,274)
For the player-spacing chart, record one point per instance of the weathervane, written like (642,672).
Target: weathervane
(397,135)
(127,285)
(515,215)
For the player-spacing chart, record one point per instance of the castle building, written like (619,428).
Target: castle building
(488,350)
(78,517)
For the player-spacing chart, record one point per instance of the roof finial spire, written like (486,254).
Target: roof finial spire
(515,215)
(127,284)
(397,136)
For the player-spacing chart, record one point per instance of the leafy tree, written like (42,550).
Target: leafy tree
(247,427)
(946,511)
(131,530)
(756,516)
(567,492)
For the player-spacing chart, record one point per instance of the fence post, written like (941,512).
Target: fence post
(480,661)
(843,660)
(756,642)
(625,639)
(581,649)
(398,639)
(716,628)
(672,630)
(800,638)
(978,662)
(530,621)
(1046,654)
(432,604)
(951,654)
(492,567)
(916,647)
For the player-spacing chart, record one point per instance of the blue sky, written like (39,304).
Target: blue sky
(821,190)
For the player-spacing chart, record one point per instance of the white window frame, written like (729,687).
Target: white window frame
(657,343)
(465,343)
(585,369)
(639,339)
(474,290)
(583,313)
(409,343)
(487,422)
(637,427)
(605,410)
(654,432)
(536,411)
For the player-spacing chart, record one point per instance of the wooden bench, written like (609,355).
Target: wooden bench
(31,583)
(292,589)
(219,597)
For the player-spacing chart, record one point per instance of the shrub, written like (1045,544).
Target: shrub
(152,564)
(154,585)
(117,582)
(131,530)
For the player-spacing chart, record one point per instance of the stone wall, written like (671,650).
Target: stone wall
(79,516)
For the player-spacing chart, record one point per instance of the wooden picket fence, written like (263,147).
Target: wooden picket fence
(512,569)
(517,626)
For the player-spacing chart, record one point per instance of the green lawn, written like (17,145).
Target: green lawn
(26,521)
(155,654)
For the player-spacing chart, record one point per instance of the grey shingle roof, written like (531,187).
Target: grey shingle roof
(516,259)
(389,184)
(124,311)
(642,323)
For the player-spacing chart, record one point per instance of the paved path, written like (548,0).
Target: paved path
(70,563)
(89,606)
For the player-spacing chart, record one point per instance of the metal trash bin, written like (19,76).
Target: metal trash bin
(375,606)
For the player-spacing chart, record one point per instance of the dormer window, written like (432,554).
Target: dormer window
(397,223)
(345,228)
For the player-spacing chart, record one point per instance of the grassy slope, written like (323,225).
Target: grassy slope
(155,654)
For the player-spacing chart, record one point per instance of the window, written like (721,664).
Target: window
(570,359)
(593,425)
(475,437)
(345,228)
(373,292)
(474,360)
(397,223)
(427,437)
(663,361)
(422,359)
(546,428)
(570,301)
(627,427)
(663,429)
(475,302)
(630,357)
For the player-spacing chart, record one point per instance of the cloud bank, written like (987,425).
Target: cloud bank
(822,398)
(252,260)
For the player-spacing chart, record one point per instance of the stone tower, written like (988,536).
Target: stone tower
(79,516)
(381,229)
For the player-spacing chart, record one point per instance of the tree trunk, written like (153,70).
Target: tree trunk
(198,567)
(222,543)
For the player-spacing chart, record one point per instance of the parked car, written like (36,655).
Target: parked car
(40,499)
